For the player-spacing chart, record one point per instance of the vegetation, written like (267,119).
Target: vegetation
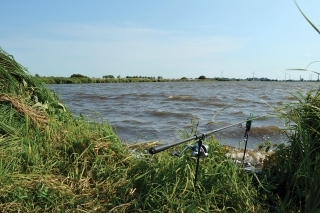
(78,79)
(297,166)
(184,78)
(108,76)
(78,76)
(314,27)
(104,79)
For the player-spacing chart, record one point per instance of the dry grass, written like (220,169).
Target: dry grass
(36,116)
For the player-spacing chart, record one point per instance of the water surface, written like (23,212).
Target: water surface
(161,111)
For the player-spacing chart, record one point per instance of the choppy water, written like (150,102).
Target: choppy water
(159,111)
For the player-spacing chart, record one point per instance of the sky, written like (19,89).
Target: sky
(167,38)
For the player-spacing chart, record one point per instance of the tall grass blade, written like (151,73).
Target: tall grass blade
(314,27)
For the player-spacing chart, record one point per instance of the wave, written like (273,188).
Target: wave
(212,103)
(169,114)
(90,97)
(182,98)
(138,108)
(263,131)
(267,130)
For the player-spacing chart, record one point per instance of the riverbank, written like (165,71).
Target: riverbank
(80,79)
(52,161)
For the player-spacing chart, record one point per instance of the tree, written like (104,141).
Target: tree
(108,76)
(78,76)
(202,77)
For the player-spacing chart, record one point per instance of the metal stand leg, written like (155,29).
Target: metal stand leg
(200,144)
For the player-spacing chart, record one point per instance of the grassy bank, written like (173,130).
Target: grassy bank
(52,161)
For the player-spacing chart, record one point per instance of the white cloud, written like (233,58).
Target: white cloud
(128,41)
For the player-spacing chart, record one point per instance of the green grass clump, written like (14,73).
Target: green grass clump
(297,165)
(71,165)
(168,184)
(51,161)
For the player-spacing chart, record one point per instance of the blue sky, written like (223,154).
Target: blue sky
(172,39)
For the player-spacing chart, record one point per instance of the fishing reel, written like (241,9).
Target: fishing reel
(203,152)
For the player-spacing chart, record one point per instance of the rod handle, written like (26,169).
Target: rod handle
(154,150)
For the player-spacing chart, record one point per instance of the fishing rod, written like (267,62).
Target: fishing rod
(160,148)
(199,149)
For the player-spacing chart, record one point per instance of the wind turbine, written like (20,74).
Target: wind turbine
(222,74)
(305,69)
(285,76)
(317,74)
(253,75)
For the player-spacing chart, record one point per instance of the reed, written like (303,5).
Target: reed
(296,169)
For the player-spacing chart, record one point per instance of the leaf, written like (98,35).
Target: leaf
(62,106)
(39,105)
(307,18)
(25,84)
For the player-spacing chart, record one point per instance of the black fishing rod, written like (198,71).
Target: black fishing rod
(199,149)
(160,148)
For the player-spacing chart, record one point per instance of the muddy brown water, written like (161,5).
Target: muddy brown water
(163,111)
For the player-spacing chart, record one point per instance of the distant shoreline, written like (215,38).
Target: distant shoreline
(81,80)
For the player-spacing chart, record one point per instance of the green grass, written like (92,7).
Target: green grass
(296,169)
(168,184)
(74,165)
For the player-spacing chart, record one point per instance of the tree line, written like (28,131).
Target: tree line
(79,78)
